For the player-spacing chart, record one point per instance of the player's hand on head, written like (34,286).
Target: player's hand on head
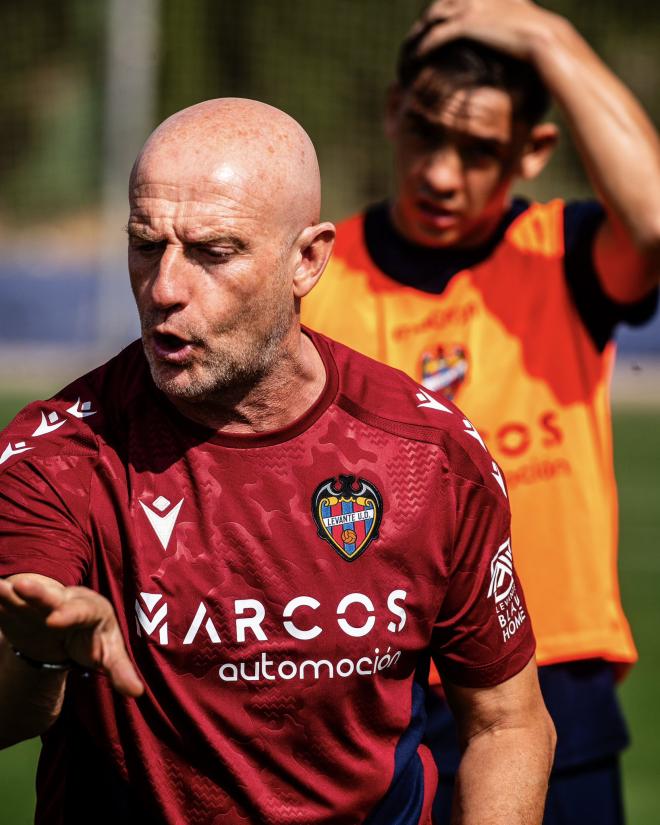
(505,25)
(49,622)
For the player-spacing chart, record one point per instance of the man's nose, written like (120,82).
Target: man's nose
(170,284)
(443,172)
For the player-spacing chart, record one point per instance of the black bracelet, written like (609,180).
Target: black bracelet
(67,664)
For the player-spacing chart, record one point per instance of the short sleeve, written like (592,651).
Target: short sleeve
(599,313)
(43,516)
(483,634)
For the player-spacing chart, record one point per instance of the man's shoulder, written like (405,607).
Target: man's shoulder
(390,401)
(79,417)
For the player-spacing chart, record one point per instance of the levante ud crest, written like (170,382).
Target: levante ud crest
(347,513)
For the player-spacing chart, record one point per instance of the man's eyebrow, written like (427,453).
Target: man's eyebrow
(433,129)
(424,124)
(144,233)
(226,238)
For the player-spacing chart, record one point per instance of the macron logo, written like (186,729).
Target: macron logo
(81,410)
(49,424)
(470,430)
(9,451)
(427,400)
(497,475)
(162,522)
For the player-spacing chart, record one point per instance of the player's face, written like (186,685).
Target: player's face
(209,271)
(454,165)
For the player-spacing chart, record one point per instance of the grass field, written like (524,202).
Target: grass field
(637,439)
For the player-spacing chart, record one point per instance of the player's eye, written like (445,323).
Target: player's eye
(218,253)
(480,152)
(144,246)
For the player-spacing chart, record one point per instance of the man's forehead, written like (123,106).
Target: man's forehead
(484,111)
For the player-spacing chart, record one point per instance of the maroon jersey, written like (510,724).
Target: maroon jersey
(280,594)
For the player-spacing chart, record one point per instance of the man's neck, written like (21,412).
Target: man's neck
(273,402)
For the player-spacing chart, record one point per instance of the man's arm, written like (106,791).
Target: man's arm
(48,622)
(616,141)
(508,742)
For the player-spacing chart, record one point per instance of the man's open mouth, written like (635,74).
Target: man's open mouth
(170,346)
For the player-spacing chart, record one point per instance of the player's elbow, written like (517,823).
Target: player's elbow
(547,738)
(647,242)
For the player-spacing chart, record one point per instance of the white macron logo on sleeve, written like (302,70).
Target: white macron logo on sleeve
(426,400)
(81,410)
(10,450)
(49,423)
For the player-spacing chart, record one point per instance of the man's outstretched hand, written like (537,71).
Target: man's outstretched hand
(49,622)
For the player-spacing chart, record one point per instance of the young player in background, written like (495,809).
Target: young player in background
(510,308)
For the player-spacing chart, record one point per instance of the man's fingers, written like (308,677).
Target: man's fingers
(95,639)
(83,623)
(34,591)
(438,35)
(120,670)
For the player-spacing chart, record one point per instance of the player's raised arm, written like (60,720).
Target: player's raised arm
(46,628)
(508,742)
(616,140)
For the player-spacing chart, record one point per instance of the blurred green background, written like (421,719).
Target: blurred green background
(82,82)
(326,63)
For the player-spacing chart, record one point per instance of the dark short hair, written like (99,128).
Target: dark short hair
(467,64)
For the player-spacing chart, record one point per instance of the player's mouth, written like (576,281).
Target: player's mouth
(438,216)
(170,347)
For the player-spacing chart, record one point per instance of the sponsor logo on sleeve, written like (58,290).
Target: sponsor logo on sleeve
(347,513)
(509,608)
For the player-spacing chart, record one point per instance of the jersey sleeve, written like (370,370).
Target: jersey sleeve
(599,313)
(43,514)
(47,458)
(482,635)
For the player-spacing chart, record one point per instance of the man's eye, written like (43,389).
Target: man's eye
(218,253)
(481,152)
(146,247)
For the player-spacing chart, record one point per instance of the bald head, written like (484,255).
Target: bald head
(242,145)
(224,242)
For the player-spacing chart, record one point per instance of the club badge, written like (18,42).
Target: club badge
(444,369)
(347,513)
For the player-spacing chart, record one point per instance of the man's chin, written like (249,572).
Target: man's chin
(172,380)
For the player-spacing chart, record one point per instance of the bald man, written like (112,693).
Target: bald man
(229,552)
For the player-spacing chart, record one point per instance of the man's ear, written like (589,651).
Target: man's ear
(393,102)
(538,150)
(314,246)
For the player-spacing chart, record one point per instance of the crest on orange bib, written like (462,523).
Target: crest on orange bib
(444,368)
(347,513)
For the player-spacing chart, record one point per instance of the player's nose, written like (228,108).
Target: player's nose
(442,173)
(170,284)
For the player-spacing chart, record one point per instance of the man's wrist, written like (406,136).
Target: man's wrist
(37,664)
